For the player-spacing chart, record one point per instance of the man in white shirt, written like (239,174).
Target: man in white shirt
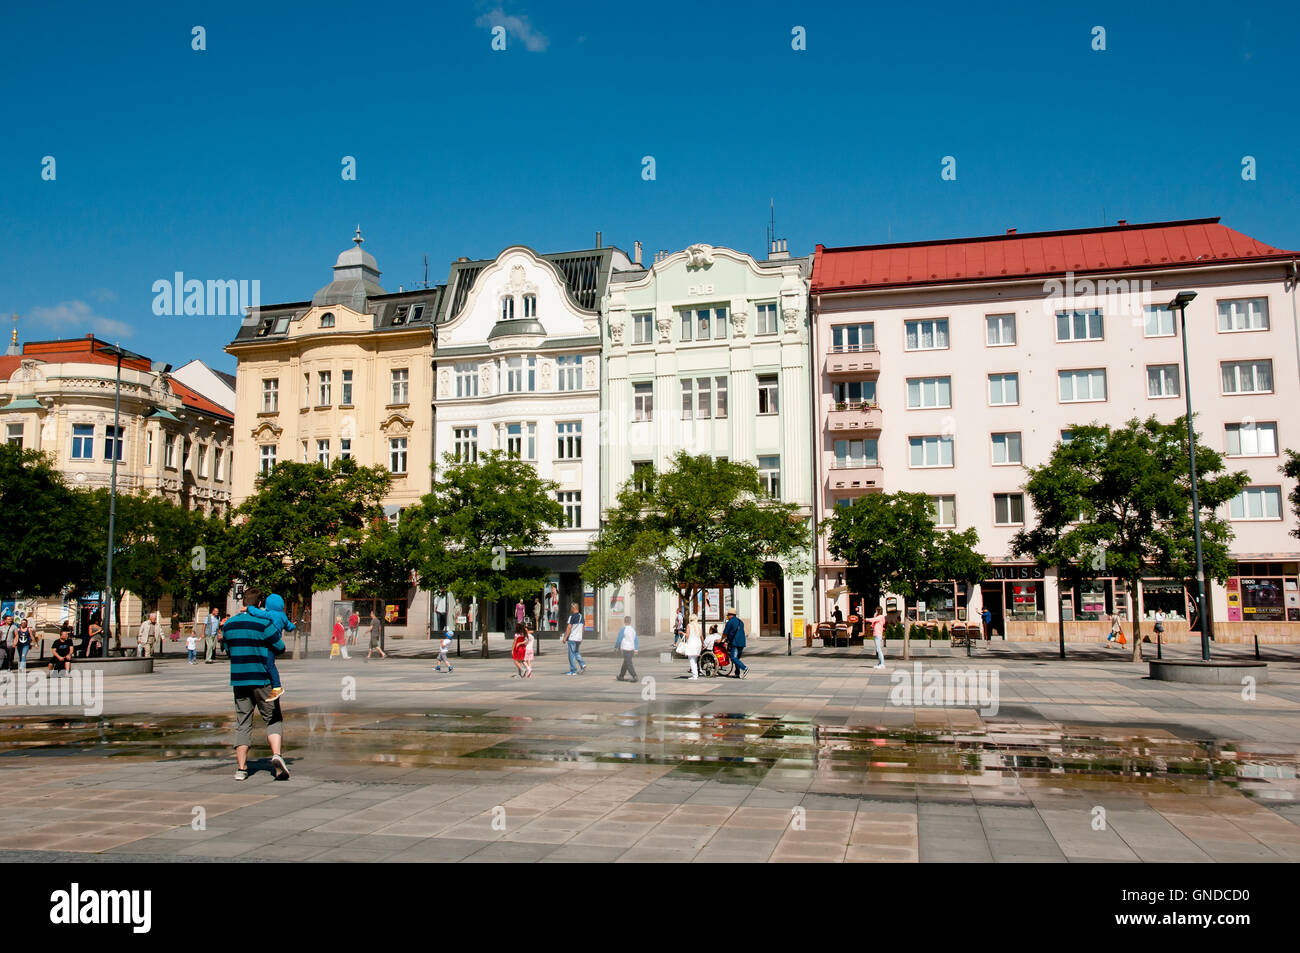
(627,644)
(573,638)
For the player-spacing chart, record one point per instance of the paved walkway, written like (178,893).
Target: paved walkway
(807,759)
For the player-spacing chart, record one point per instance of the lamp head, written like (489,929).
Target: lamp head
(1181,300)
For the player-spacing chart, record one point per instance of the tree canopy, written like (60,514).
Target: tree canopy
(892,544)
(1118,502)
(45,537)
(703,522)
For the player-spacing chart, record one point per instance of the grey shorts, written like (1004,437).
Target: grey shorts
(248,697)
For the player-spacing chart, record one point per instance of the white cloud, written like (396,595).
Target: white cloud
(74,318)
(534,40)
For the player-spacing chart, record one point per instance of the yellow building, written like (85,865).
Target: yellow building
(57,397)
(348,374)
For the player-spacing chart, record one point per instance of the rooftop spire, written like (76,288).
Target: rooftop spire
(357,239)
(14,350)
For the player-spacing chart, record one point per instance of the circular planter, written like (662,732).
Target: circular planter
(1208,673)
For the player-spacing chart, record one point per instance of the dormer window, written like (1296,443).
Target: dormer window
(507,309)
(265,329)
(417,312)
(282,323)
(530,306)
(327,319)
(399,316)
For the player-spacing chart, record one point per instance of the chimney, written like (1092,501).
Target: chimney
(598,245)
(636,252)
(1123,221)
(777,250)
(1011,231)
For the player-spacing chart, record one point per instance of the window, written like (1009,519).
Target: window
(148,448)
(112,440)
(401,378)
(323,452)
(304,451)
(1006,448)
(720,396)
(850,454)
(346,396)
(1247,377)
(271,395)
(268,457)
(1009,509)
(1067,436)
(530,306)
(345,448)
(930,451)
(169,451)
(83,441)
(688,398)
(847,338)
(929,392)
(769,474)
(643,401)
(1162,380)
(467,380)
(1000,330)
(521,375)
(327,319)
(1004,390)
(507,309)
(14,436)
(767,394)
(306,391)
(397,454)
(688,324)
(1252,440)
(1244,314)
(569,371)
(1079,325)
(928,335)
(643,328)
(1082,385)
(767,318)
(571,501)
(568,440)
(702,324)
(521,440)
(945,510)
(323,390)
(1257,503)
(1159,322)
(201,467)
(465,444)
(854,392)
(642,471)
(216,464)
(282,323)
(697,398)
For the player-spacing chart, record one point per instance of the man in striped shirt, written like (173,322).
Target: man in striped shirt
(250,642)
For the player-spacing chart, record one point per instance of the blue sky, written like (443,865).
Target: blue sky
(225,163)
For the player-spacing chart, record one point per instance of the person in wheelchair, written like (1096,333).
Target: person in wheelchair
(716,658)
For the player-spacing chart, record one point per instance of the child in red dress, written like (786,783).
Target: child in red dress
(520,647)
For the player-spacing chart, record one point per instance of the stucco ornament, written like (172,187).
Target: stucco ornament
(739,321)
(699,256)
(485,378)
(791,312)
(664,323)
(28,371)
(519,283)
(546,375)
(589,374)
(444,383)
(616,329)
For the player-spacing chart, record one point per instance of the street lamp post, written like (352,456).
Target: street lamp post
(1179,304)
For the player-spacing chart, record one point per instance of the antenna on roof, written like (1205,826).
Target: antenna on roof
(771,222)
(426,271)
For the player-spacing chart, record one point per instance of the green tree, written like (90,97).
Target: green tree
(46,535)
(1291,469)
(1118,502)
(382,560)
(205,577)
(294,535)
(891,544)
(477,514)
(701,523)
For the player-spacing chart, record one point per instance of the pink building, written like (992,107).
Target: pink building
(949,367)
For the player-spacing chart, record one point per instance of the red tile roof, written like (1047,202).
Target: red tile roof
(196,401)
(8,365)
(80,350)
(1037,254)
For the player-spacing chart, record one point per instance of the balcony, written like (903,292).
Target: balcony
(849,478)
(853,363)
(854,418)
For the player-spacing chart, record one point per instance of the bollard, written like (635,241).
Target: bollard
(1256,646)
(1160,644)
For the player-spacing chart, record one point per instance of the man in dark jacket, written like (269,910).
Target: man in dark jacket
(734,633)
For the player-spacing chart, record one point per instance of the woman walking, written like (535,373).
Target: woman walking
(23,644)
(530,646)
(1116,630)
(339,639)
(694,642)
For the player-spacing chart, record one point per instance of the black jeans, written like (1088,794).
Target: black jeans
(627,665)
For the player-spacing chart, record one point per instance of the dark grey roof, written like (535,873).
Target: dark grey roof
(396,311)
(228,379)
(517,326)
(586,276)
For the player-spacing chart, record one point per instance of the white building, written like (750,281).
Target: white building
(517,362)
(708,352)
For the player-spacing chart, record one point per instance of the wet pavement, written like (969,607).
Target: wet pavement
(806,760)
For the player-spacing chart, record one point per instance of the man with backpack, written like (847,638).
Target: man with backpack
(8,641)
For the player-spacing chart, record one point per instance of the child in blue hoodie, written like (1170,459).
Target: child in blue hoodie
(273,612)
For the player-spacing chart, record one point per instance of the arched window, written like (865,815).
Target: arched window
(530,306)
(507,308)
(327,319)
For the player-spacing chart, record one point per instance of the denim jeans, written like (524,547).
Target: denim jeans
(575,656)
(736,650)
(23,649)
(880,649)
(192,653)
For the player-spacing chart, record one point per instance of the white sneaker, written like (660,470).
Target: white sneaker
(881,665)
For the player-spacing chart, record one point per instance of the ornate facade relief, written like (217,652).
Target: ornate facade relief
(699,256)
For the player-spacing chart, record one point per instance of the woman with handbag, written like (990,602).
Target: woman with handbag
(691,644)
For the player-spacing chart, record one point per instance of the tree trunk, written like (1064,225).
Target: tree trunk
(480,623)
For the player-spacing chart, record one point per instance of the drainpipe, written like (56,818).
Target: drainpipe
(1293,273)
